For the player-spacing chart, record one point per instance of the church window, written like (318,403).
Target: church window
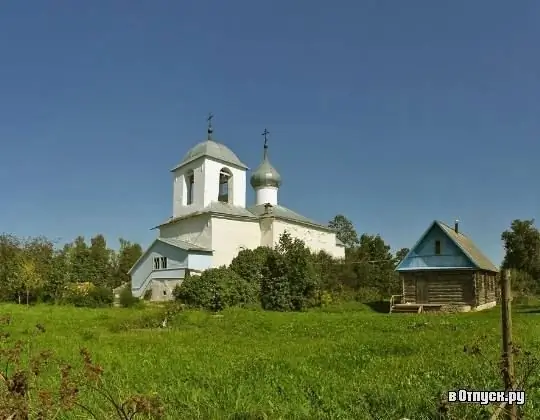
(437,247)
(190,184)
(225,179)
(160,263)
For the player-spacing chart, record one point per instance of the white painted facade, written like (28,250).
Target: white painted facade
(266,195)
(219,234)
(206,172)
(195,230)
(230,236)
(316,239)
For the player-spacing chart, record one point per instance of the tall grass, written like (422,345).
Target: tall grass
(339,363)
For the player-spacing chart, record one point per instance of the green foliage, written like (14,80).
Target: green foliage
(345,231)
(126,298)
(89,296)
(216,289)
(401,254)
(275,287)
(128,254)
(27,392)
(340,362)
(290,281)
(249,264)
(522,245)
(34,269)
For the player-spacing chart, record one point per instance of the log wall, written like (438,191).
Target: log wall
(442,287)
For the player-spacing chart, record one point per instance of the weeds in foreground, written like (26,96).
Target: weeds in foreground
(526,366)
(22,397)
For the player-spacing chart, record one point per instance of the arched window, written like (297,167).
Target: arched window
(190,182)
(225,186)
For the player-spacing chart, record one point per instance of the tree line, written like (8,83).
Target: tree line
(35,269)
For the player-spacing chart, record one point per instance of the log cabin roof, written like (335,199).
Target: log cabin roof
(469,248)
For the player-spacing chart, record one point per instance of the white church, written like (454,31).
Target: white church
(211,222)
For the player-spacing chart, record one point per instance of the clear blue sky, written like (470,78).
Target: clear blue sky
(393,113)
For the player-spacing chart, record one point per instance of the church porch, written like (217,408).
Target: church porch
(164,265)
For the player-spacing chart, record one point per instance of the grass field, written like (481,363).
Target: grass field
(339,363)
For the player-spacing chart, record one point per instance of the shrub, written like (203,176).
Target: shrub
(88,295)
(249,264)
(275,290)
(289,280)
(216,289)
(368,294)
(25,395)
(127,300)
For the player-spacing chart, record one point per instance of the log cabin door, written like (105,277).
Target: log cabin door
(421,289)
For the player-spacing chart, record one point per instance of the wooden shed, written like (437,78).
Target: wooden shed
(445,269)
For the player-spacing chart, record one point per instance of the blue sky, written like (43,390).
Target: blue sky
(392,113)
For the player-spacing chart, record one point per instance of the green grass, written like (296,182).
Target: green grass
(340,363)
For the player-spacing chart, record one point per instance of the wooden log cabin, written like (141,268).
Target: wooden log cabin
(445,269)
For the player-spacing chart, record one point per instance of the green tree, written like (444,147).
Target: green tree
(373,264)
(345,231)
(59,275)
(30,277)
(401,254)
(128,254)
(290,281)
(522,245)
(10,254)
(99,262)
(79,261)
(303,284)
(216,289)
(275,287)
(249,264)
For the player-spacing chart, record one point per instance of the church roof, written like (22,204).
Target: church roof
(215,207)
(212,149)
(284,213)
(254,213)
(265,175)
(177,243)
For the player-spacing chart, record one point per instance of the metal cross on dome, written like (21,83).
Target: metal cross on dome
(265,134)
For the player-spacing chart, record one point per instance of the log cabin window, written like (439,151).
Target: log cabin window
(437,247)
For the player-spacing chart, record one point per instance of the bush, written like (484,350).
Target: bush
(127,300)
(216,289)
(88,295)
(275,289)
(369,294)
(289,281)
(249,264)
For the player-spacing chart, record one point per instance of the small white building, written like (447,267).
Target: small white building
(211,223)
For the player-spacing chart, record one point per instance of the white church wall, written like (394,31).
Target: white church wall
(230,236)
(195,230)
(212,169)
(317,240)
(180,206)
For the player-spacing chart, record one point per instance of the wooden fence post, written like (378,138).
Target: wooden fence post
(507,355)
